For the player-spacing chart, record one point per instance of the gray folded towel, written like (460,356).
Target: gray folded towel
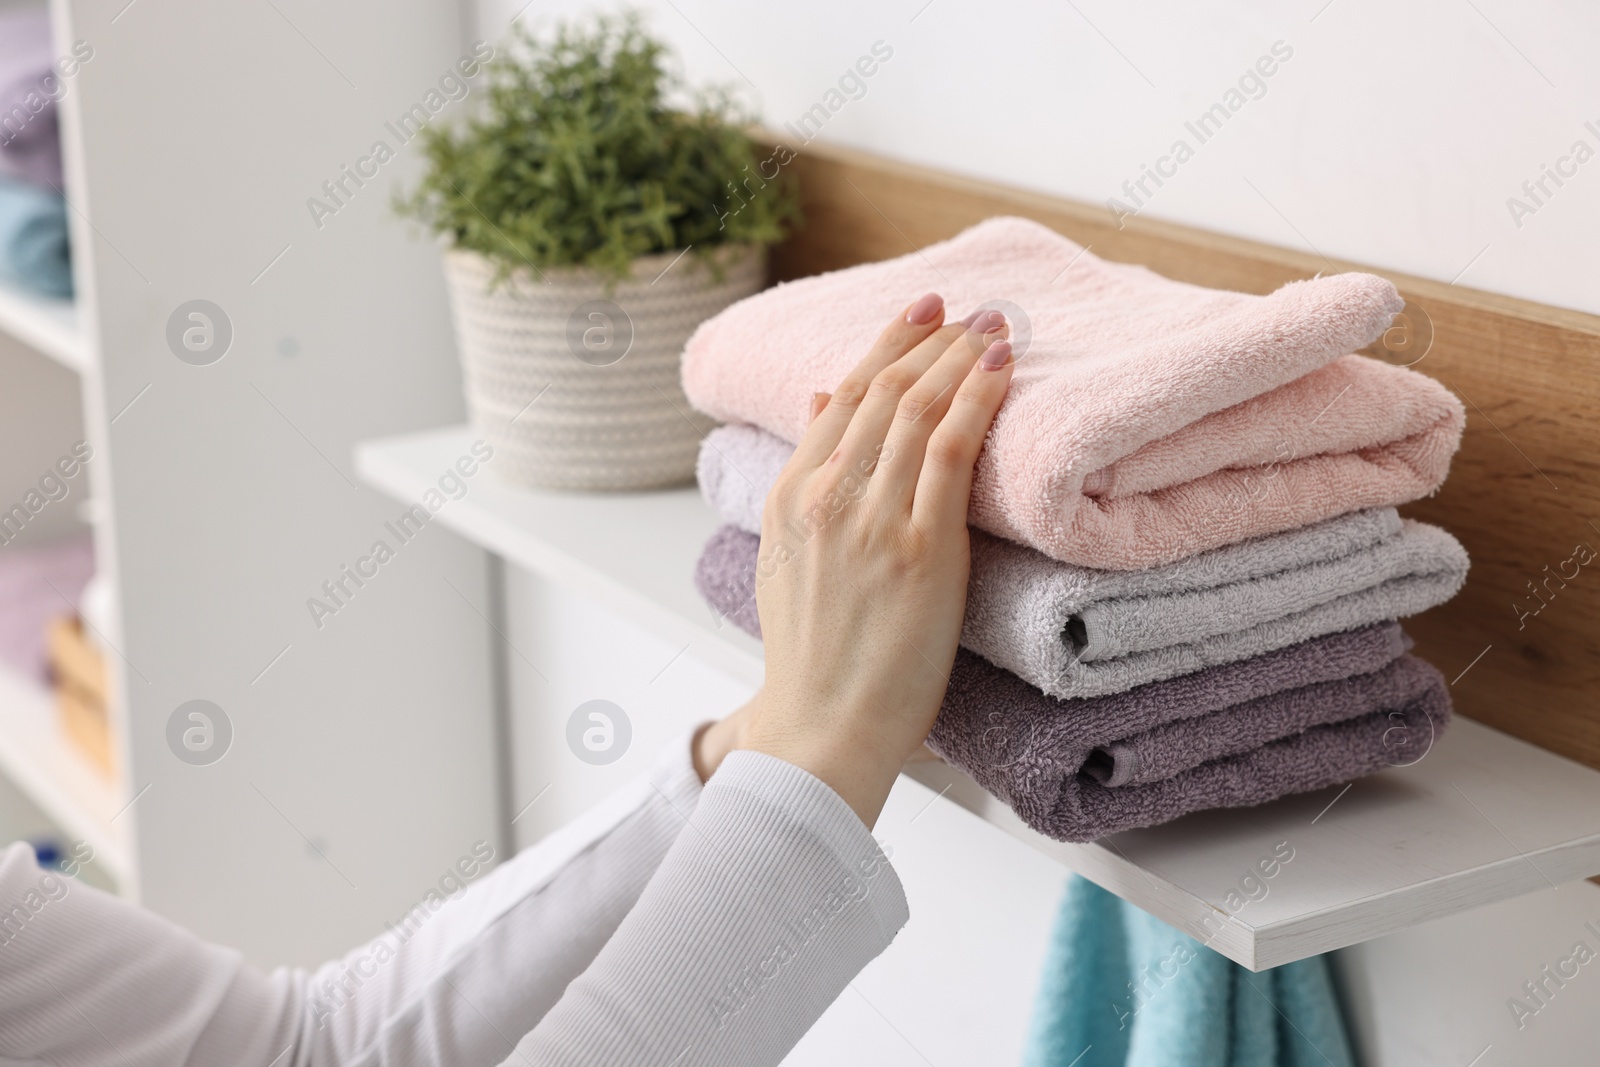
(1078,632)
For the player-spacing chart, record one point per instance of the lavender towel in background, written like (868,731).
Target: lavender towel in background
(30,142)
(737,468)
(1078,632)
(1293,720)
(37,584)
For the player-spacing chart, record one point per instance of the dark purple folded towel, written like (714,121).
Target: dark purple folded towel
(1298,719)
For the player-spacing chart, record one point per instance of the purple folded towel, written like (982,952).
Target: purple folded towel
(1300,718)
(30,141)
(38,583)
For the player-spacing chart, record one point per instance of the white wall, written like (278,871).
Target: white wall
(1439,994)
(1393,136)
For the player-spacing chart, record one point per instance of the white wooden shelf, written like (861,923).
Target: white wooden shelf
(42,763)
(633,552)
(48,325)
(1482,817)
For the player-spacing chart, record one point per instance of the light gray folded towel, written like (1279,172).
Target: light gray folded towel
(1077,632)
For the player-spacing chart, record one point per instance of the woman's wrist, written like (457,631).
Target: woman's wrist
(715,740)
(861,770)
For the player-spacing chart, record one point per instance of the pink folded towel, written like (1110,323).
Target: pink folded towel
(1148,419)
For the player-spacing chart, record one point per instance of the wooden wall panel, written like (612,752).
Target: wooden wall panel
(1525,489)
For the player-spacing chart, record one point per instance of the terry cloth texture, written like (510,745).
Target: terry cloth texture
(1079,632)
(1301,718)
(1147,419)
(1121,988)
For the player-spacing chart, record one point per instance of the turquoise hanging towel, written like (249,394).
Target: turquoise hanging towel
(1123,989)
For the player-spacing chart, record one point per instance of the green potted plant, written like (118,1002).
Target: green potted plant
(591,226)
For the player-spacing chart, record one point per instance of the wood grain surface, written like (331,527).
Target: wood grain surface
(1522,641)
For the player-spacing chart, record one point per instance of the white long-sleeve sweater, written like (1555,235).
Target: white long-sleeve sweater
(671,926)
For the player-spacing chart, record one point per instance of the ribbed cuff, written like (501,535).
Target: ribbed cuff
(812,807)
(673,773)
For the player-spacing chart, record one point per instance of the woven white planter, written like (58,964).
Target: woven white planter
(578,388)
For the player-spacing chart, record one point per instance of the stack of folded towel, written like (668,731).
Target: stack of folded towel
(1186,562)
(33,216)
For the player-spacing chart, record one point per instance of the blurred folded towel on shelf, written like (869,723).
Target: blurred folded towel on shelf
(39,583)
(30,140)
(1077,632)
(1310,715)
(34,251)
(1148,419)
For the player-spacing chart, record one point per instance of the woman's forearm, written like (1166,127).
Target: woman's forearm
(771,900)
(473,979)
(88,979)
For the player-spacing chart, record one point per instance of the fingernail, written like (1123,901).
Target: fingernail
(925,309)
(996,355)
(983,320)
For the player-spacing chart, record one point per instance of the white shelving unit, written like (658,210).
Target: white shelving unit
(331,727)
(54,775)
(189,463)
(1481,818)
(35,755)
(44,765)
(47,325)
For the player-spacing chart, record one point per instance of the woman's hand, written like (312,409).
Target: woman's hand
(862,579)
